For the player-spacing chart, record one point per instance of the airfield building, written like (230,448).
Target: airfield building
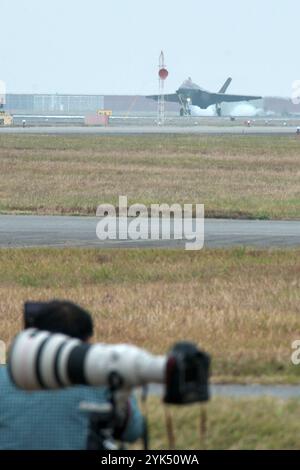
(121,105)
(46,104)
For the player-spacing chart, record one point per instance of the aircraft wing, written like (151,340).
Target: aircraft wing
(173,98)
(225,98)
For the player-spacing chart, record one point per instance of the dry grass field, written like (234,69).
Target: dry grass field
(242,306)
(233,176)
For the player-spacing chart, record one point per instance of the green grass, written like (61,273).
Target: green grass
(241,305)
(232,424)
(234,176)
(72,267)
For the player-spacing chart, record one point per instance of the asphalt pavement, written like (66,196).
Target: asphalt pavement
(72,231)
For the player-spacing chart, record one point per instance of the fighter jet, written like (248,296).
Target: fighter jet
(190,94)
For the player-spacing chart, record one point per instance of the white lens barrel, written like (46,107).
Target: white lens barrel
(46,365)
(23,355)
(40,360)
(134,366)
(62,361)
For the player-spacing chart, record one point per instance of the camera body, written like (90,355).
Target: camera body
(187,375)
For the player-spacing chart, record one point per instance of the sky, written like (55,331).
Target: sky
(113,46)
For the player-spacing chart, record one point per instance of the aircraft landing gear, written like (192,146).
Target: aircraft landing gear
(185,111)
(218,110)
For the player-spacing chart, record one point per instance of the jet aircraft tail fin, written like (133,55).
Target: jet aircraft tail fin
(226,85)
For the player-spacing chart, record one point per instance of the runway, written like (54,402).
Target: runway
(142,130)
(61,231)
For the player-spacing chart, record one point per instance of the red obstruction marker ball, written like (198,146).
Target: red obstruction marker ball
(163,74)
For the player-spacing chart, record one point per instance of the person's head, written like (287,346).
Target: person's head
(66,318)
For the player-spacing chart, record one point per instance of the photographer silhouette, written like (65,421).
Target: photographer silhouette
(55,420)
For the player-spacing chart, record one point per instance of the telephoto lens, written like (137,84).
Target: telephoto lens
(40,360)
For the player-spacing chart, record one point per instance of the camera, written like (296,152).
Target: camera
(186,374)
(40,360)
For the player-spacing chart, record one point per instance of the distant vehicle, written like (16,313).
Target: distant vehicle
(190,94)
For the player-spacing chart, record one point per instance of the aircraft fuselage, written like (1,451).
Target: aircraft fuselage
(199,98)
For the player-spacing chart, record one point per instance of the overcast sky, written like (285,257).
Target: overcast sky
(112,46)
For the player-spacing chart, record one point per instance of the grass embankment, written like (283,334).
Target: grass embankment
(234,176)
(241,305)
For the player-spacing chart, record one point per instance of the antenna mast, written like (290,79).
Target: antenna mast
(162,74)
